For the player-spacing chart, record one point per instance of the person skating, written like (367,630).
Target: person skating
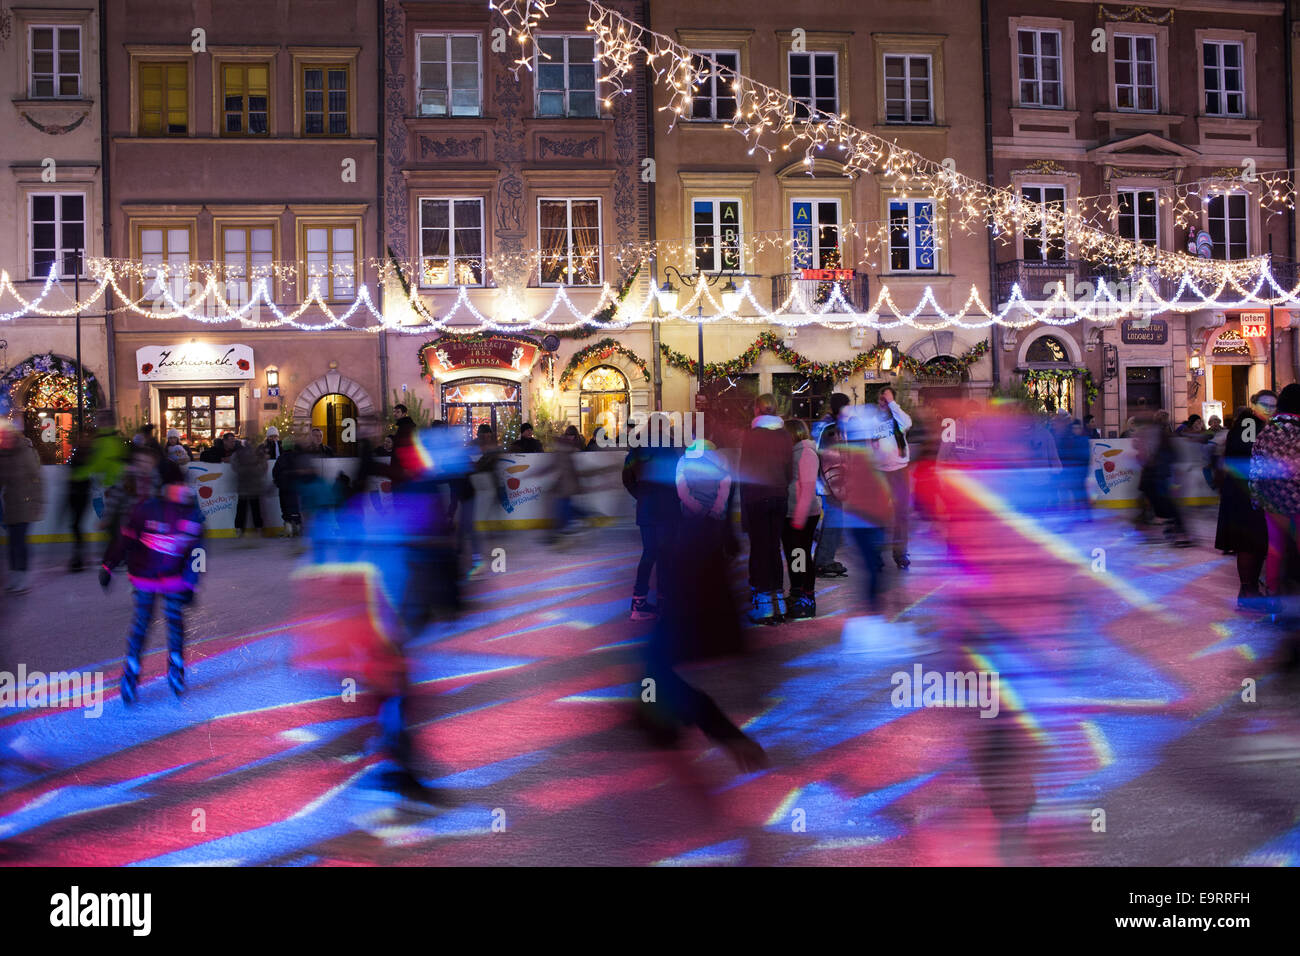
(286,475)
(803,511)
(100,457)
(1242,529)
(157,544)
(892,457)
(765,472)
(649,477)
(22,497)
(832,524)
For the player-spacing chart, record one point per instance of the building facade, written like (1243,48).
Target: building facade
(515,188)
(907,72)
(1126,103)
(52,217)
(244,145)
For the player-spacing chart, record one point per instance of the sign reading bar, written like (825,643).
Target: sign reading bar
(195,362)
(1149,332)
(828,275)
(496,352)
(1254,325)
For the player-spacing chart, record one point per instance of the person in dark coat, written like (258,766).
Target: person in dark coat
(1242,529)
(766,466)
(286,474)
(526,443)
(649,477)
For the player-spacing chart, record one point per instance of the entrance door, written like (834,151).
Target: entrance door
(201,415)
(1231,385)
(1144,389)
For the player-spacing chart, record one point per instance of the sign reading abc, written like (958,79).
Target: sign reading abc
(195,362)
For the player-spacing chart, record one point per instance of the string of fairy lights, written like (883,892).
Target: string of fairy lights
(772,122)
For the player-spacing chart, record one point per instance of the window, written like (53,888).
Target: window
(1044,237)
(1047,350)
(324,99)
(716,231)
(907,89)
(55,62)
(566,83)
(57,229)
(1139,216)
(246,97)
(816,235)
(715,99)
(1227,215)
(249,252)
(201,416)
(1135,73)
(448,79)
(814,82)
(1225,79)
(331,261)
(570,238)
(169,247)
(451,242)
(1040,68)
(911,235)
(164,99)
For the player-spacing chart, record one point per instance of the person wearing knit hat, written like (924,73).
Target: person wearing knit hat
(176,451)
(273,447)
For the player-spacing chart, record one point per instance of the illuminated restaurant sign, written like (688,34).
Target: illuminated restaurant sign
(497,352)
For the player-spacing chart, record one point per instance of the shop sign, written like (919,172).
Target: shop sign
(828,275)
(1254,325)
(1148,332)
(195,362)
(448,355)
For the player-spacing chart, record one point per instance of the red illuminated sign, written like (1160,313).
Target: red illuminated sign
(828,275)
(1254,325)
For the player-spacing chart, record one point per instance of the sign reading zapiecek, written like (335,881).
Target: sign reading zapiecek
(195,362)
(1152,332)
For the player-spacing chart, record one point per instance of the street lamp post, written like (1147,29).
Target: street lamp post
(668,294)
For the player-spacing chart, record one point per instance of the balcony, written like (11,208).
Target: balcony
(1037,278)
(816,292)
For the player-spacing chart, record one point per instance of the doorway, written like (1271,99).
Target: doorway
(1144,389)
(336,417)
(1231,385)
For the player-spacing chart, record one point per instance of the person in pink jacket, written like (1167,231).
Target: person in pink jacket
(803,511)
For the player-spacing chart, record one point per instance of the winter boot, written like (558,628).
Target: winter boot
(130,681)
(781,606)
(642,609)
(176,673)
(802,605)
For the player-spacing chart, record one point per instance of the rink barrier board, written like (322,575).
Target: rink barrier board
(529,479)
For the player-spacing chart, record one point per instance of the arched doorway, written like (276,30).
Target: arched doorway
(336,416)
(468,403)
(1049,375)
(43,390)
(1230,358)
(604,398)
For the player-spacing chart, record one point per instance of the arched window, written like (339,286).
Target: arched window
(1051,378)
(336,417)
(605,398)
(1047,350)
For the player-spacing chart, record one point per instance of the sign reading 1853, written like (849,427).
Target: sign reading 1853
(1151,332)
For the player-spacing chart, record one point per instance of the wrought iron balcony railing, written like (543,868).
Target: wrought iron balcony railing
(817,292)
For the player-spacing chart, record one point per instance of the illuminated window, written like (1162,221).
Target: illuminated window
(816,233)
(164,90)
(716,229)
(569,230)
(911,235)
(451,242)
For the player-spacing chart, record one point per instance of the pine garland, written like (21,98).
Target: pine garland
(835,371)
(603,349)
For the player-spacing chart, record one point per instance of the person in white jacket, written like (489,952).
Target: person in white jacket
(884,427)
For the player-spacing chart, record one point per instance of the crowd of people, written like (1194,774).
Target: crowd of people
(859,476)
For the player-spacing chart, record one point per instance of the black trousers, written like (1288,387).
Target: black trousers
(245,504)
(649,557)
(800,539)
(78,501)
(764,521)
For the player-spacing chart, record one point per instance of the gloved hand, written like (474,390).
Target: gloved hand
(105,578)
